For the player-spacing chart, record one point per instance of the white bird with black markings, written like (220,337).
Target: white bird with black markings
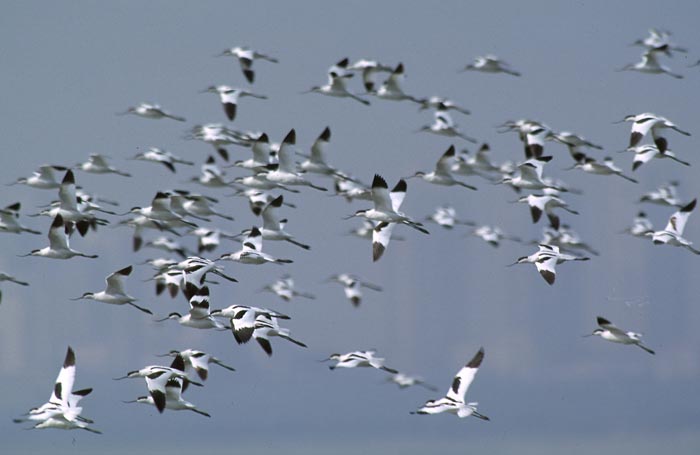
(446,216)
(369,69)
(265,328)
(528,175)
(404,381)
(336,87)
(197,363)
(665,194)
(262,155)
(72,209)
(316,162)
(477,164)
(546,259)
(385,203)
(152,111)
(251,251)
(546,203)
(641,226)
(442,175)
(659,41)
(273,226)
(169,396)
(352,286)
(493,235)
(242,319)
(444,125)
(165,385)
(673,232)
(645,122)
(606,167)
(43,178)
(359,359)
(164,157)
(650,65)
(608,331)
(175,370)
(439,103)
(196,205)
(284,289)
(219,137)
(490,64)
(160,211)
(285,173)
(59,247)
(566,239)
(199,316)
(9,223)
(62,410)
(647,152)
(454,401)
(573,142)
(391,88)
(114,293)
(97,164)
(246,56)
(229,97)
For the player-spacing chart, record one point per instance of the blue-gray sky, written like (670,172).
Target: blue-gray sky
(68,67)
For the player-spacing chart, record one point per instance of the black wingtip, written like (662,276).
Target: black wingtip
(178,363)
(548,276)
(400,187)
(291,137)
(602,321)
(126,271)
(278,201)
(379,182)
(70,358)
(69,178)
(475,362)
(325,135)
(377,251)
(690,206)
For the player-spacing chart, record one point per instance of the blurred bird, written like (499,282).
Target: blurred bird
(490,64)
(97,164)
(229,97)
(391,88)
(152,111)
(369,69)
(156,155)
(352,286)
(608,331)
(650,65)
(359,359)
(246,56)
(441,175)
(443,125)
(284,289)
(43,178)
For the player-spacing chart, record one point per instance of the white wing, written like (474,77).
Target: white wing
(115,281)
(465,376)
(677,222)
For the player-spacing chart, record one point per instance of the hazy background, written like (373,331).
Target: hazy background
(68,67)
